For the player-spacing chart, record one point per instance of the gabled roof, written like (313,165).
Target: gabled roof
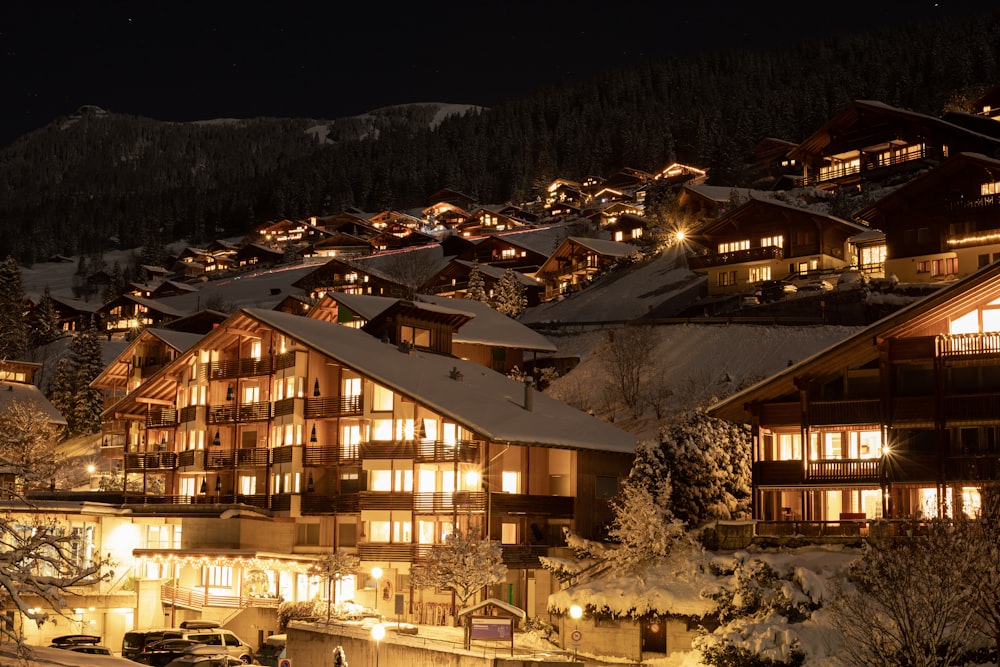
(483,401)
(489,327)
(854,351)
(119,368)
(603,247)
(29,394)
(806,214)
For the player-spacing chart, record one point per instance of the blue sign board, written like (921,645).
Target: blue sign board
(492,627)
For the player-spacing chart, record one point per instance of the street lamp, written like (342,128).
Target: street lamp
(576,612)
(378,632)
(377,573)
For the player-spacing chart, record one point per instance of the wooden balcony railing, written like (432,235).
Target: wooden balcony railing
(244,412)
(190,413)
(252,457)
(332,406)
(518,503)
(779,473)
(523,556)
(439,451)
(463,502)
(823,413)
(161,417)
(385,500)
(845,470)
(236,368)
(195,598)
(404,553)
(344,503)
(763,253)
(394,449)
(328,455)
(282,454)
(217,458)
(151,461)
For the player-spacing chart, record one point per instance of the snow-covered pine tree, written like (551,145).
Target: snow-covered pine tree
(709,464)
(85,364)
(644,528)
(477,286)
(45,324)
(14,331)
(511,299)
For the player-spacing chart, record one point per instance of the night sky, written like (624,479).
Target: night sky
(193,61)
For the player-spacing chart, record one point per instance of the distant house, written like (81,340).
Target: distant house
(453,281)
(577,261)
(256,256)
(514,251)
(944,223)
(128,313)
(765,240)
(869,142)
(627,227)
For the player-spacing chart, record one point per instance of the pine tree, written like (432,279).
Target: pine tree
(709,463)
(511,299)
(477,286)
(87,358)
(46,327)
(14,331)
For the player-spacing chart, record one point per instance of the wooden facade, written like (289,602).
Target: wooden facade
(901,419)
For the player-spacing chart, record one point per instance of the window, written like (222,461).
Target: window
(217,577)
(350,439)
(248,485)
(381,480)
(416,336)
(606,487)
(990,188)
(939,267)
(308,534)
(727,278)
(733,246)
(759,273)
(510,481)
(777,241)
(382,429)
(508,533)
(381,398)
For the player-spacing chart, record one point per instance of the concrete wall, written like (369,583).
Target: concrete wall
(313,644)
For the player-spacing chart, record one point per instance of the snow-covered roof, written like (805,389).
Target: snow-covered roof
(489,327)
(264,289)
(483,401)
(29,394)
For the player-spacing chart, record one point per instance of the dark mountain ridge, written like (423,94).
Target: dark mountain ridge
(97,179)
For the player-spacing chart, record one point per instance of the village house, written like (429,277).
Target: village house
(577,261)
(764,240)
(870,142)
(900,419)
(333,439)
(943,224)
(453,281)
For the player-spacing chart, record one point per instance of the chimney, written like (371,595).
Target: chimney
(529,393)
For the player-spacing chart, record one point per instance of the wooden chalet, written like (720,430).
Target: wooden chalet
(900,419)
(513,251)
(609,214)
(769,166)
(74,315)
(341,244)
(626,227)
(453,281)
(394,220)
(988,103)
(944,223)
(577,261)
(375,449)
(351,276)
(766,239)
(627,180)
(256,256)
(677,173)
(488,220)
(563,190)
(454,197)
(445,215)
(129,313)
(869,142)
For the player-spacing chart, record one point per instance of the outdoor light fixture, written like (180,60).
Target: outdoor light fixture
(204,485)
(217,441)
(316,387)
(229,393)
(312,436)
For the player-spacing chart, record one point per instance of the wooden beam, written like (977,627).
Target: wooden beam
(155,401)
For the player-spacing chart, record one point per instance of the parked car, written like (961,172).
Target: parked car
(817,286)
(137,642)
(773,290)
(205,660)
(81,644)
(162,652)
(272,650)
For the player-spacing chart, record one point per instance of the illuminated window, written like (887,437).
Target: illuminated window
(734,246)
(508,533)
(381,480)
(381,398)
(350,439)
(378,531)
(382,430)
(777,241)
(759,273)
(507,253)
(510,481)
(991,188)
(726,278)
(248,485)
(416,336)
(426,530)
(217,577)
(789,446)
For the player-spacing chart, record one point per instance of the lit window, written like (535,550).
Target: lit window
(733,246)
(776,241)
(508,533)
(991,188)
(511,481)
(381,398)
(381,480)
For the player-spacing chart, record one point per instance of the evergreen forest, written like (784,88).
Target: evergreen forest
(95,180)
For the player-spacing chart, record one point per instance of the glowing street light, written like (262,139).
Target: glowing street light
(576,613)
(377,574)
(378,632)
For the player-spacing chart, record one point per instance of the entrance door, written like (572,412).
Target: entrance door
(654,635)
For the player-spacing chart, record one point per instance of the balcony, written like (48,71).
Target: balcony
(822,413)
(438,451)
(192,413)
(873,164)
(252,457)
(463,502)
(196,598)
(385,500)
(237,368)
(389,449)
(151,461)
(332,406)
(161,417)
(244,412)
(344,503)
(518,503)
(523,556)
(847,471)
(404,553)
(761,254)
